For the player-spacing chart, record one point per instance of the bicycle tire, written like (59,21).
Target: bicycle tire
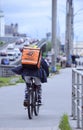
(30,106)
(36,104)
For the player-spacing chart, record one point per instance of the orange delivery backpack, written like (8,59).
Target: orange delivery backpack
(31,57)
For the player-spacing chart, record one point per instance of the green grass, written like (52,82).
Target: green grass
(64,123)
(58,67)
(6,81)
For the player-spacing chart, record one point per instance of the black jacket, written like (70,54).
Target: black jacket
(42,72)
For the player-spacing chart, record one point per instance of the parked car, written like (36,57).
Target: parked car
(26,43)
(19,41)
(21,48)
(17,51)
(12,56)
(5,61)
(3,53)
(10,47)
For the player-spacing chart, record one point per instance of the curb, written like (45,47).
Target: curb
(37,128)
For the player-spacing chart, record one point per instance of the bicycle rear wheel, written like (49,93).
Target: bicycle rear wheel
(36,104)
(30,106)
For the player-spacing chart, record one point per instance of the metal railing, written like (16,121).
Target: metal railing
(77,96)
(6,70)
(79,62)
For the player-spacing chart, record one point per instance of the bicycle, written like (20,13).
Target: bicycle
(33,105)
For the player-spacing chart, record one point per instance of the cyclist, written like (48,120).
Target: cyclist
(40,75)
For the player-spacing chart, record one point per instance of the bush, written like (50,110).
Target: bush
(1,43)
(64,123)
(48,46)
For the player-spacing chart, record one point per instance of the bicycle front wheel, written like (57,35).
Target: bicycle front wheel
(30,106)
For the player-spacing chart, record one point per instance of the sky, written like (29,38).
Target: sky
(78,20)
(34,16)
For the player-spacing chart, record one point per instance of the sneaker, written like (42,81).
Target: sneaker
(39,102)
(25,103)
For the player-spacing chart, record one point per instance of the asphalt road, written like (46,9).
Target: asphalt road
(56,99)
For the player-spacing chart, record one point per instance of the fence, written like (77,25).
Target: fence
(79,61)
(77,96)
(5,70)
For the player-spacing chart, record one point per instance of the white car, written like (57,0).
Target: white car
(11,55)
(17,51)
(26,43)
(10,47)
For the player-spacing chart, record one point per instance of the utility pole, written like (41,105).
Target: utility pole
(71,26)
(69,32)
(54,33)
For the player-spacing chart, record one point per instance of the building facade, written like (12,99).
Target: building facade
(2,24)
(11,30)
(78,48)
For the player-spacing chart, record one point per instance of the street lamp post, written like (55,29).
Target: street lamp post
(69,31)
(54,33)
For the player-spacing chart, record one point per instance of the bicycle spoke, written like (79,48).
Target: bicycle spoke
(30,107)
(36,107)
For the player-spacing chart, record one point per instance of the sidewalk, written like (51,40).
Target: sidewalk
(68,76)
(65,81)
(62,83)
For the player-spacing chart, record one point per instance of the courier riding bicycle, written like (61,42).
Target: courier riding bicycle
(32,65)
